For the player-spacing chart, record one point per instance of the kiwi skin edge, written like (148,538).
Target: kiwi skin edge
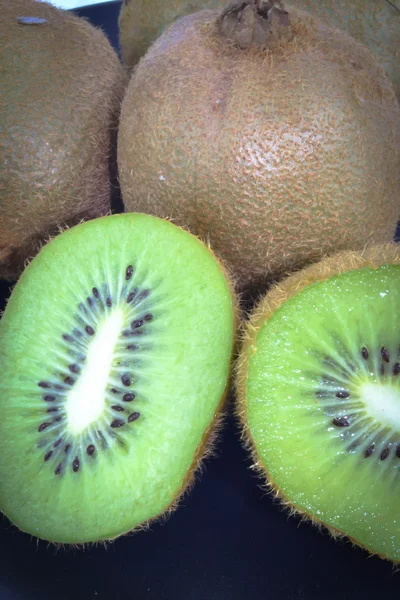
(337,264)
(206,446)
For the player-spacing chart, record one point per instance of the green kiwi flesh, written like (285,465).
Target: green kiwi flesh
(115,354)
(323,404)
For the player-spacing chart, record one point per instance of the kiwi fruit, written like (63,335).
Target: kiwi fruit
(115,356)
(61,87)
(270,133)
(142,21)
(318,394)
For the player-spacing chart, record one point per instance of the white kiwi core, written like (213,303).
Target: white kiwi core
(93,381)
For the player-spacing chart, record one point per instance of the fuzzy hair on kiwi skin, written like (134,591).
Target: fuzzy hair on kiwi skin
(263,230)
(48,184)
(141,22)
(342,262)
(206,448)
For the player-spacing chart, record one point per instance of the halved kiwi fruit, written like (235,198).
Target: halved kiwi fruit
(318,384)
(115,355)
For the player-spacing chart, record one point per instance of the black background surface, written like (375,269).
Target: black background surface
(228,540)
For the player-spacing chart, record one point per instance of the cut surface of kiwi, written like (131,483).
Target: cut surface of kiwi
(320,397)
(115,353)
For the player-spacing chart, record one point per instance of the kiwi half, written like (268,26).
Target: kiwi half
(115,354)
(318,383)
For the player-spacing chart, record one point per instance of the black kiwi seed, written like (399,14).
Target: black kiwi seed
(50,410)
(341,422)
(396,369)
(128,397)
(68,338)
(369,450)
(95,292)
(148,317)
(132,347)
(58,469)
(44,384)
(90,450)
(69,380)
(118,407)
(48,455)
(131,296)
(133,417)
(67,448)
(89,330)
(89,301)
(75,464)
(343,394)
(126,379)
(49,398)
(57,443)
(384,454)
(137,323)
(43,426)
(364,353)
(74,368)
(117,423)
(385,354)
(128,272)
(108,301)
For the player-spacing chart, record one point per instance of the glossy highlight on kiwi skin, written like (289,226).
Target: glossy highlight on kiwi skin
(111,390)
(319,395)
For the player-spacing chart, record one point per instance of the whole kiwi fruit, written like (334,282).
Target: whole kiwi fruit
(266,131)
(115,355)
(61,87)
(318,389)
(373,23)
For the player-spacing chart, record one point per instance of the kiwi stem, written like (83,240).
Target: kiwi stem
(251,23)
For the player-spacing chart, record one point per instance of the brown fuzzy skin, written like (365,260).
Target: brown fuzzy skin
(280,154)
(142,21)
(375,23)
(372,257)
(61,88)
